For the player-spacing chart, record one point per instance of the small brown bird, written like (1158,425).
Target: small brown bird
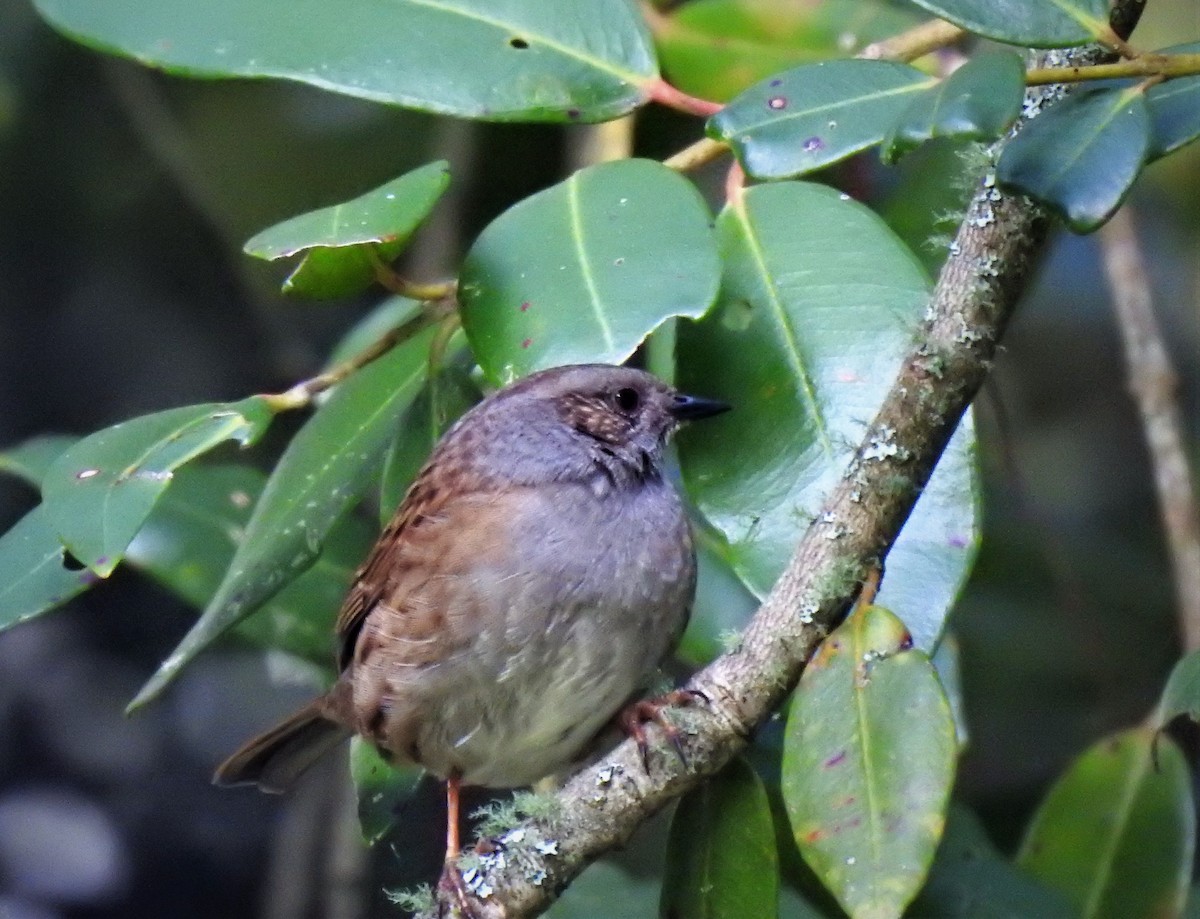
(537,573)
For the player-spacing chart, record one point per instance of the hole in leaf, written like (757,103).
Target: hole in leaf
(517,42)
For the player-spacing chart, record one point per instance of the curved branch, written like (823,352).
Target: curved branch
(600,806)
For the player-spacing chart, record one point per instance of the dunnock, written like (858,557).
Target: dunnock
(537,573)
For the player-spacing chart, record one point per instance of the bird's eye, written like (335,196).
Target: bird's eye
(627,399)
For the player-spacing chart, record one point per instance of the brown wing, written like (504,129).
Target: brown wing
(372,579)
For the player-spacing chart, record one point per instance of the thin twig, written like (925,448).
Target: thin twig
(914,43)
(600,143)
(387,278)
(600,806)
(300,395)
(696,155)
(1166,66)
(1154,385)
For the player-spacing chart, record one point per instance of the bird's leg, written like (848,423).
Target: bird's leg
(633,718)
(452,879)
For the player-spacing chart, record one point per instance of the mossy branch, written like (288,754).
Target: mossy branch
(977,291)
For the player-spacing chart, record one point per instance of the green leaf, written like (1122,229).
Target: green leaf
(323,472)
(189,540)
(444,397)
(1182,693)
(99,492)
(337,240)
(868,763)
(593,893)
(971,880)
(1036,23)
(30,460)
(585,270)
(33,576)
(979,101)
(1117,831)
(721,857)
(717,48)
(1081,156)
(825,300)
(382,789)
(814,115)
(1174,109)
(502,60)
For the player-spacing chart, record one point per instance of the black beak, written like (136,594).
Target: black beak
(689,408)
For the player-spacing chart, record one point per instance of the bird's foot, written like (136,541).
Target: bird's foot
(635,716)
(454,899)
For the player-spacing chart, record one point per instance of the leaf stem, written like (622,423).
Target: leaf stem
(1164,66)
(301,395)
(664,93)
(387,277)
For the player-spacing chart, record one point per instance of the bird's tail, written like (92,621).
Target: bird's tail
(275,759)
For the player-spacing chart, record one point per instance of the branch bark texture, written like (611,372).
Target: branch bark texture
(600,807)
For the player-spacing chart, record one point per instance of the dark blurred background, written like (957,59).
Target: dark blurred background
(125,197)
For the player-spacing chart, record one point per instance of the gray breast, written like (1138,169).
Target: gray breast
(574,632)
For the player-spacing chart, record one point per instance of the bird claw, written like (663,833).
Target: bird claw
(457,902)
(636,715)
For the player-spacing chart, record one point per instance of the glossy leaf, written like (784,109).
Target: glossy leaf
(99,492)
(868,763)
(585,270)
(825,299)
(381,788)
(717,48)
(502,60)
(387,315)
(323,472)
(970,879)
(1174,109)
(721,856)
(979,101)
(189,541)
(1182,693)
(814,115)
(1081,156)
(29,460)
(1117,831)
(33,576)
(1037,23)
(337,240)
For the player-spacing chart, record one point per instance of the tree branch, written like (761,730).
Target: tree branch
(1153,384)
(601,806)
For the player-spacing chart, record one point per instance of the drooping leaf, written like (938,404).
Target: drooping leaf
(868,763)
(322,473)
(1038,24)
(721,857)
(1182,693)
(979,101)
(98,493)
(33,575)
(717,48)
(381,790)
(816,114)
(336,240)
(825,300)
(585,270)
(1117,832)
(1081,156)
(1174,109)
(970,879)
(30,460)
(501,60)
(189,540)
